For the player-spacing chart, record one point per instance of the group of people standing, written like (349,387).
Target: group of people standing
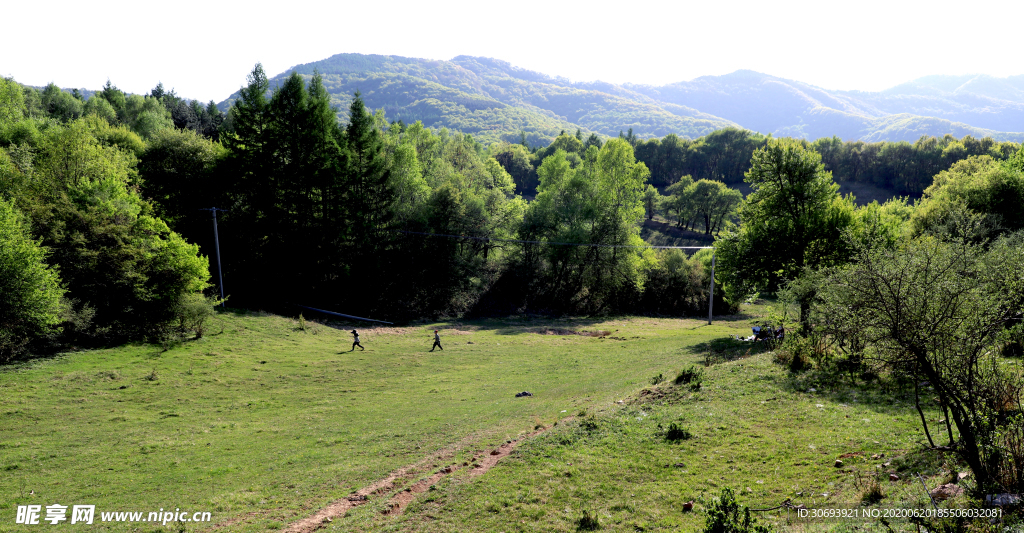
(355,341)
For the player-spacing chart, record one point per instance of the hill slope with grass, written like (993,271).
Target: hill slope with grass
(268,421)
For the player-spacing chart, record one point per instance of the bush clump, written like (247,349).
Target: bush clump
(693,376)
(725,515)
(676,432)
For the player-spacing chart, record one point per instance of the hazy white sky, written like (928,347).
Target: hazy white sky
(204,49)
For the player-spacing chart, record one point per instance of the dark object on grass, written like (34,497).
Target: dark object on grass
(692,376)
(588,522)
(675,432)
(522,394)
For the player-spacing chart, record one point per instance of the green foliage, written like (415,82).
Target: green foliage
(178,173)
(12,102)
(978,185)
(588,522)
(692,377)
(794,218)
(30,289)
(191,313)
(60,105)
(145,115)
(100,107)
(725,515)
(678,285)
(515,159)
(123,268)
(936,311)
(675,432)
(598,204)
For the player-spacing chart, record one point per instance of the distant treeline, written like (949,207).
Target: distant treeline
(724,155)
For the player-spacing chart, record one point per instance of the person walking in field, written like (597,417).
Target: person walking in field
(437,342)
(355,342)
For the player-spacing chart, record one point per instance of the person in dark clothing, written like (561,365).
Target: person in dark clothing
(437,342)
(355,342)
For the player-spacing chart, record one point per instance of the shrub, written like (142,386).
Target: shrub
(191,312)
(589,423)
(873,494)
(657,379)
(675,432)
(796,353)
(692,376)
(587,522)
(727,516)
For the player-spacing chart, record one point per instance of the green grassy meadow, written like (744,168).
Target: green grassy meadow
(262,423)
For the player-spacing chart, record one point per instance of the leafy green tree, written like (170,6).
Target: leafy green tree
(978,185)
(713,202)
(936,311)
(145,115)
(599,204)
(119,262)
(12,102)
(677,285)
(60,105)
(516,161)
(178,174)
(97,105)
(30,289)
(652,201)
(794,218)
(679,201)
(115,97)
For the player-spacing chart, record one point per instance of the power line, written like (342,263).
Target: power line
(345,316)
(491,239)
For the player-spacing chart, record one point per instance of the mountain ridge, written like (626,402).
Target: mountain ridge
(496,101)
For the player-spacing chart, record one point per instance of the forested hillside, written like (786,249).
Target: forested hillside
(492,100)
(374,215)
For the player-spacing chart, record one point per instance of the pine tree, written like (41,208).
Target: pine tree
(370,203)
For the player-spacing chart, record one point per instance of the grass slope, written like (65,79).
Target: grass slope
(262,423)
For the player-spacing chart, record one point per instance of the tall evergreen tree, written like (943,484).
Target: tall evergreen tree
(254,211)
(370,201)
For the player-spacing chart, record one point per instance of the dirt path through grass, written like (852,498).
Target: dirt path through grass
(481,462)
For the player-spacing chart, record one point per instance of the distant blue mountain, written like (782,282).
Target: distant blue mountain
(494,100)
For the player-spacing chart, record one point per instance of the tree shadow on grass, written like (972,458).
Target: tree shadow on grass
(725,349)
(884,395)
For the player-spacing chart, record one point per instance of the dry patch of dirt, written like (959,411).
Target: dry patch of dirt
(481,462)
(385,331)
(561,331)
(455,332)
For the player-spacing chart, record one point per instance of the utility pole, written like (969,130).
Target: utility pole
(711,298)
(216,246)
